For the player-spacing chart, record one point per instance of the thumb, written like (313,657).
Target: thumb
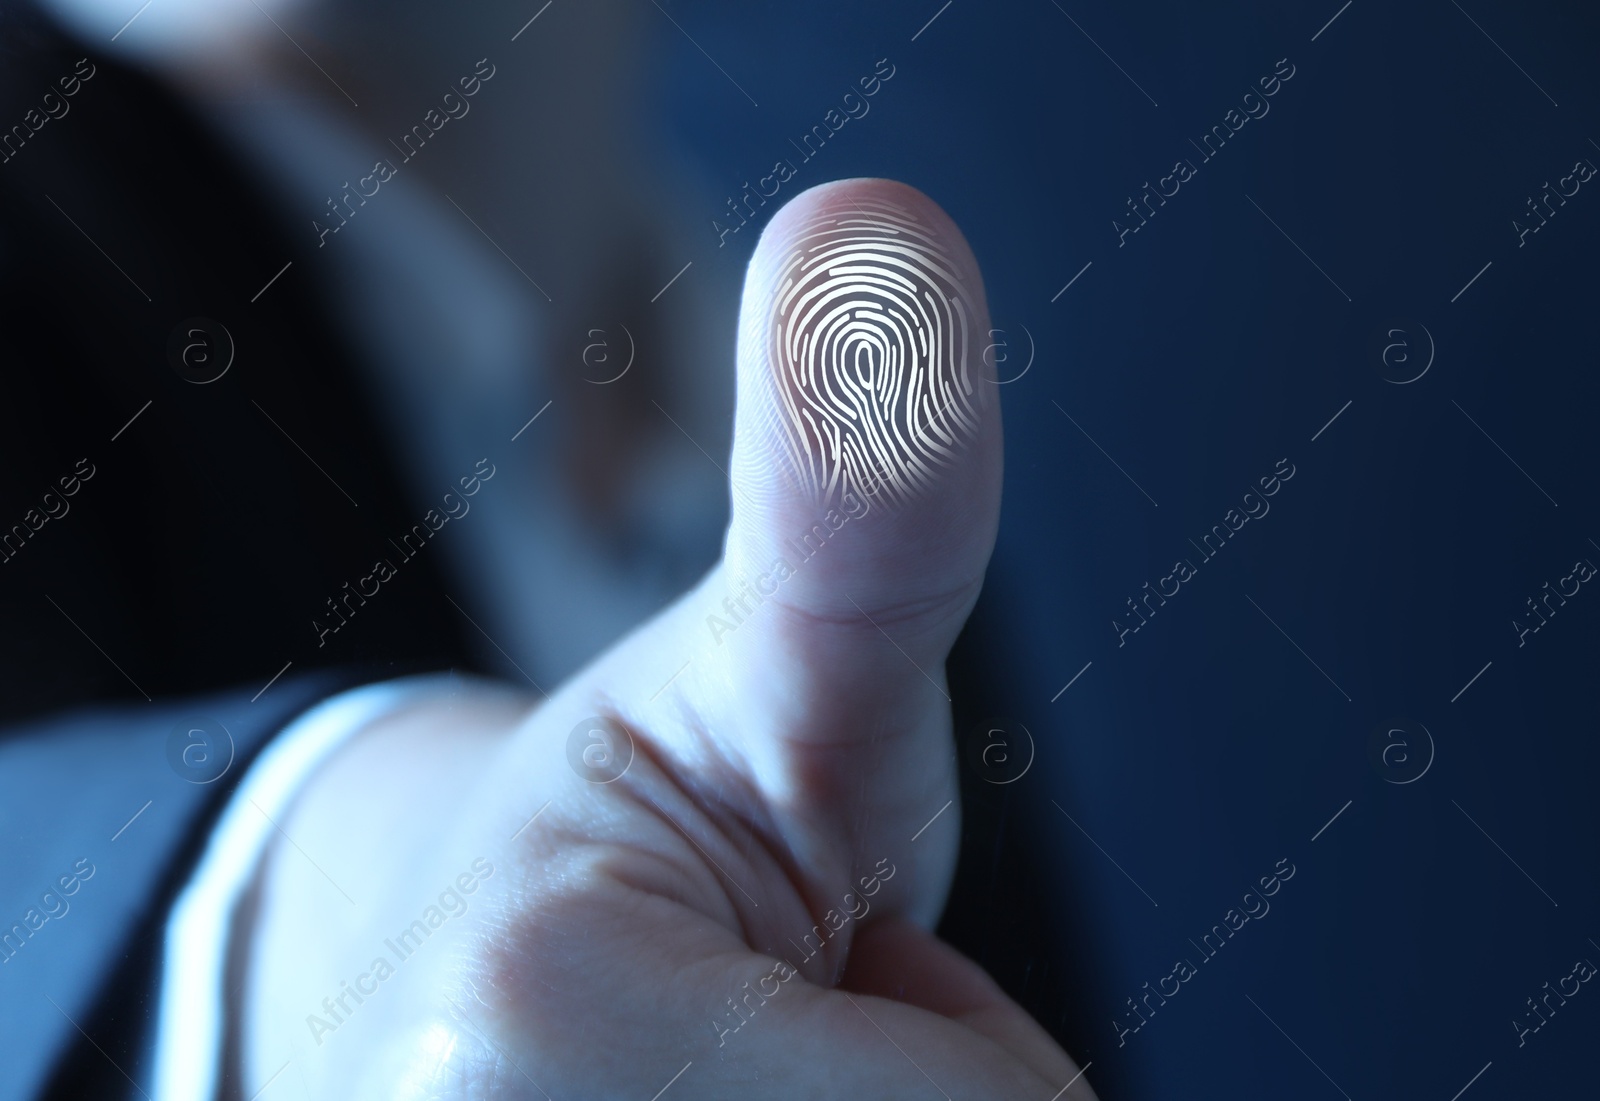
(865,480)
(867,449)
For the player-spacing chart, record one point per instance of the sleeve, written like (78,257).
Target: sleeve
(120,869)
(196,1040)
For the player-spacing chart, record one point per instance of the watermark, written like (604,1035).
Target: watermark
(53,905)
(451,904)
(1398,753)
(345,605)
(1543,610)
(998,351)
(1184,570)
(854,106)
(1582,972)
(1404,364)
(998,751)
(1185,170)
(419,135)
(749,594)
(200,350)
(1581,173)
(11,143)
(742,1012)
(599,749)
(1210,944)
(597,357)
(55,507)
(781,973)
(199,750)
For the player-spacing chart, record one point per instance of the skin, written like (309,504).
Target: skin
(784,764)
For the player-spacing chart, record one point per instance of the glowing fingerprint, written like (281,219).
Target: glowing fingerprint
(871,341)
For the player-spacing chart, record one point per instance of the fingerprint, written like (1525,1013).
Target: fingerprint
(871,336)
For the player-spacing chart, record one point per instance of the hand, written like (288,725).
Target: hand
(746,910)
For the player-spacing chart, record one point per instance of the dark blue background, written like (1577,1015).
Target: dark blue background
(1197,355)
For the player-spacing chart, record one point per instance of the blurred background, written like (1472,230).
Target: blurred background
(1338,259)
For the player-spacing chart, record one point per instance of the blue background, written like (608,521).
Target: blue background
(1197,354)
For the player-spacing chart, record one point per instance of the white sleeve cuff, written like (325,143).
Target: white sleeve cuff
(189,1037)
